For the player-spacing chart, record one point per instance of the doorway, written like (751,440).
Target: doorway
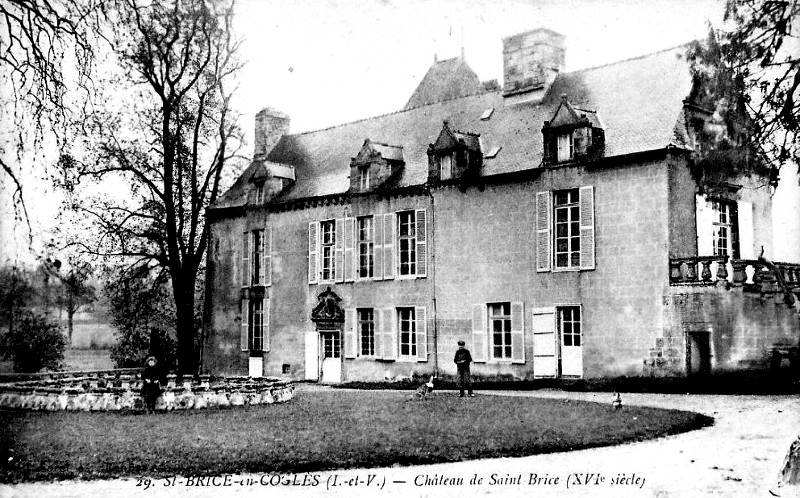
(330,344)
(698,353)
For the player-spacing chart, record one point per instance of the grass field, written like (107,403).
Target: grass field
(315,431)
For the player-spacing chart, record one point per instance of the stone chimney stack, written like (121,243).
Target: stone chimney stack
(531,62)
(271,125)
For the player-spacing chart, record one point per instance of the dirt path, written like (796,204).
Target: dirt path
(739,456)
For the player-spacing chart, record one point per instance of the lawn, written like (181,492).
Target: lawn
(316,431)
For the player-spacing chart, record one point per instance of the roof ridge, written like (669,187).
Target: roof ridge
(465,132)
(392,113)
(629,59)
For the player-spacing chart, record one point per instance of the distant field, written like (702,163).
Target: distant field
(88,332)
(87,359)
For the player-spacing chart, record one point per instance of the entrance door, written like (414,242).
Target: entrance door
(569,328)
(698,361)
(331,346)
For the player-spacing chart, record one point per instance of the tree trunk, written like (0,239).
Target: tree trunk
(183,290)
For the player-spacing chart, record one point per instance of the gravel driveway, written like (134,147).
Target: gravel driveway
(739,456)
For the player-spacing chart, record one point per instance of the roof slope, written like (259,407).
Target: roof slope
(445,80)
(638,100)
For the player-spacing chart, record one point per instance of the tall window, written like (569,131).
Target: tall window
(328,245)
(363,178)
(569,325)
(407,242)
(568,233)
(500,329)
(256,325)
(565,147)
(407,327)
(260,193)
(445,166)
(723,228)
(255,257)
(366,331)
(366,238)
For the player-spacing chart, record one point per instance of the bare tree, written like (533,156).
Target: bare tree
(47,54)
(167,147)
(750,74)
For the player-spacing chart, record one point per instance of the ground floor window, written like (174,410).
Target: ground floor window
(256,329)
(500,330)
(569,325)
(366,331)
(406,324)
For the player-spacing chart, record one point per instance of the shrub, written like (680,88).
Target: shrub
(33,343)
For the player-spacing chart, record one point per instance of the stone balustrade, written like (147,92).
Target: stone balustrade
(709,270)
(103,392)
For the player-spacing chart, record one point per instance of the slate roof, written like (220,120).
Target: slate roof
(639,102)
(445,80)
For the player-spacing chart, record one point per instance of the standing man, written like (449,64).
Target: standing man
(462,361)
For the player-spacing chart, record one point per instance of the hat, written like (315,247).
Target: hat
(461,343)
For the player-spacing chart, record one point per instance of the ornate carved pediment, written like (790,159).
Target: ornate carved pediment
(328,308)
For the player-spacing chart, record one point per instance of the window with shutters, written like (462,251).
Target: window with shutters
(500,330)
(327,249)
(256,325)
(567,229)
(406,326)
(569,325)
(366,246)
(407,243)
(366,331)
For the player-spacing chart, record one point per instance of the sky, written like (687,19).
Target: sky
(327,62)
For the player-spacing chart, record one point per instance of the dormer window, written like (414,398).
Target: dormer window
(363,178)
(445,166)
(572,134)
(260,193)
(453,154)
(565,147)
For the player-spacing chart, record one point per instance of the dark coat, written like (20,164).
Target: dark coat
(462,359)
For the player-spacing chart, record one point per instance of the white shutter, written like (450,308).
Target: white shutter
(244,338)
(518,332)
(543,324)
(313,252)
(377,315)
(265,325)
(338,258)
(389,334)
(586,207)
(377,231)
(389,238)
(266,257)
(422,243)
(350,333)
(246,249)
(705,226)
(350,261)
(746,236)
(421,327)
(479,333)
(543,224)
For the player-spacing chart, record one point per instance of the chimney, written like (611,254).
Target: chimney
(531,62)
(271,125)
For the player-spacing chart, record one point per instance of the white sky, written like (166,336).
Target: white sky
(327,62)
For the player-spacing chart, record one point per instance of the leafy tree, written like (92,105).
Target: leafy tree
(27,338)
(167,145)
(143,314)
(748,74)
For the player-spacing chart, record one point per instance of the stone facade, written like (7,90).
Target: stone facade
(549,264)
